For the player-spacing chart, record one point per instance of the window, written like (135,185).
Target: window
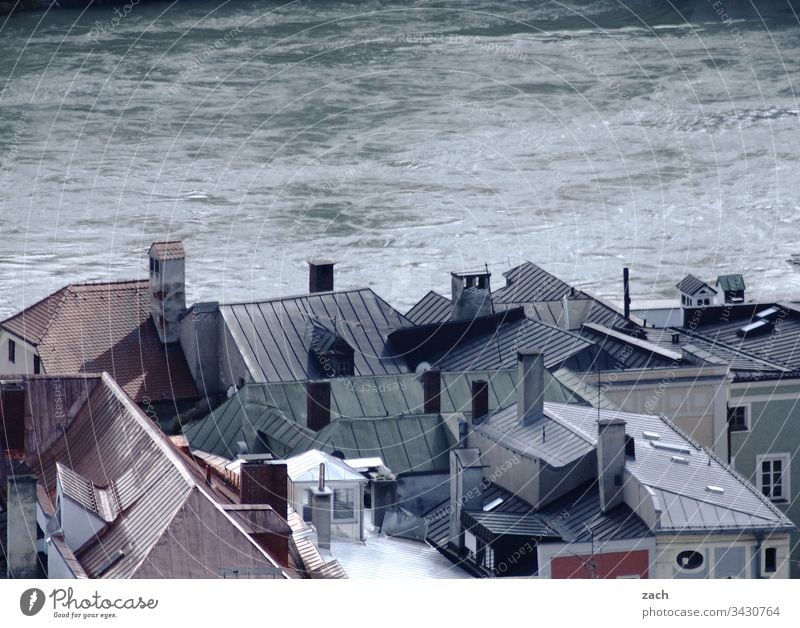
(12,351)
(37,365)
(738,419)
(488,558)
(156,266)
(307,506)
(690,559)
(770,560)
(773,476)
(344,504)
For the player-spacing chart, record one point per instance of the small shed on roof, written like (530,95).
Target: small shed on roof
(732,287)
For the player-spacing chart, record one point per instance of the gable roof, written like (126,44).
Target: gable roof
(691,285)
(305,468)
(169,250)
(274,337)
(432,308)
(96,327)
(166,525)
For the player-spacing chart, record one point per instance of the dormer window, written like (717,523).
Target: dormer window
(335,357)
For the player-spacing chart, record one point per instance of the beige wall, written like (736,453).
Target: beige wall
(23,365)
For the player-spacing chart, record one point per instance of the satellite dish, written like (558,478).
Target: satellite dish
(421,368)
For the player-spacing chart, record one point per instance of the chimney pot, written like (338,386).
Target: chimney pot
(320,275)
(530,385)
(480,401)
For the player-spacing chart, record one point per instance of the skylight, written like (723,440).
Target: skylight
(680,459)
(490,506)
(715,489)
(682,449)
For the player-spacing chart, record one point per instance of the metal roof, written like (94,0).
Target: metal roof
(731,283)
(507,524)
(274,337)
(305,468)
(173,528)
(691,285)
(432,308)
(650,347)
(416,443)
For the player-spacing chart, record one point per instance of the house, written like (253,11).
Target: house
(695,292)
(664,506)
(100,492)
(125,328)
(322,335)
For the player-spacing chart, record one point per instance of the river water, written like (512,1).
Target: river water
(402,139)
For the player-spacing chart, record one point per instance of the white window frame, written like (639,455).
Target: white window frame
(785,460)
(747,415)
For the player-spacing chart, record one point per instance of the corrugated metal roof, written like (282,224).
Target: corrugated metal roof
(274,337)
(498,350)
(691,285)
(432,308)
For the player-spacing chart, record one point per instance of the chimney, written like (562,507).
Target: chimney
(318,405)
(530,386)
(480,401)
(321,510)
(265,482)
(612,447)
(471,295)
(466,479)
(22,559)
(432,391)
(167,288)
(626,287)
(320,275)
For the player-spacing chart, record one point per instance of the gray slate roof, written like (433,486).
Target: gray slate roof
(691,285)
(274,337)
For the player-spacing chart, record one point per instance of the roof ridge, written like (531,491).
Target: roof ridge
(741,352)
(97,283)
(294,297)
(738,476)
(41,302)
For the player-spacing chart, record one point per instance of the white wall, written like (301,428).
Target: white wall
(23,365)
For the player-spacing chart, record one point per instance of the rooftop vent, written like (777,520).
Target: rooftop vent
(651,435)
(680,459)
(490,506)
(681,449)
(715,489)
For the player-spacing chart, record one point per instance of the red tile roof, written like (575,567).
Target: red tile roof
(90,328)
(170,250)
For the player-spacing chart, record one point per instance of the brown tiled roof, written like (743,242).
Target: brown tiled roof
(169,526)
(95,327)
(169,250)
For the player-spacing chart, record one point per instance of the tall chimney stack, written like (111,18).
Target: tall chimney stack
(471,295)
(480,401)
(22,559)
(265,482)
(320,275)
(530,386)
(627,292)
(611,449)
(432,391)
(318,405)
(167,288)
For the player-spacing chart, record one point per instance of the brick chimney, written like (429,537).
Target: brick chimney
(265,482)
(22,559)
(611,451)
(432,391)
(480,401)
(320,275)
(530,386)
(318,405)
(167,288)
